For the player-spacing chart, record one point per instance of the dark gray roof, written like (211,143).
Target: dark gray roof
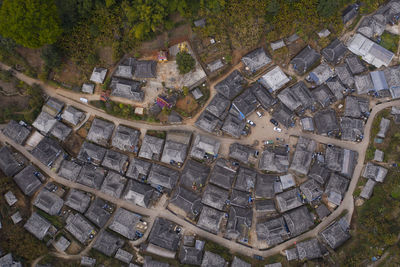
(256,60)
(79,227)
(163,176)
(98,213)
(336,234)
(274,79)
(372,26)
(341,160)
(309,249)
(265,205)
(124,223)
(174,152)
(174,117)
(239,224)
(113,184)
(297,97)
(241,152)
(138,169)
(222,176)
(375,172)
(272,231)
(69,170)
(49,202)
(190,255)
(289,200)
(208,122)
(215,197)
(352,129)
(392,75)
(37,226)
(323,95)
(187,201)
(115,161)
(27,181)
(240,199)
(218,106)
(326,121)
(8,261)
(311,189)
(245,179)
(245,103)
(336,87)
(383,128)
(283,115)
(123,256)
(334,52)
(77,200)
(91,176)
(127,89)
(54,104)
(145,69)
(336,188)
(274,160)
(108,243)
(9,165)
(303,155)
(265,186)
(126,138)
(307,124)
(60,131)
(124,71)
(73,115)
(44,122)
(356,106)
(319,173)
(210,219)
(138,193)
(363,83)
(322,211)
(151,147)
(100,132)
(355,65)
(91,153)
(262,95)
(346,77)
(231,86)
(349,13)
(149,262)
(298,221)
(233,126)
(194,174)
(163,235)
(16,132)
(47,151)
(303,61)
(213,260)
(203,145)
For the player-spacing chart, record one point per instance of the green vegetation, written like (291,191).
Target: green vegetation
(58,262)
(185,62)
(390,41)
(54,220)
(102,259)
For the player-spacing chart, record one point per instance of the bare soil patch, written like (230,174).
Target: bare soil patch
(187,104)
(17,102)
(73,144)
(70,75)
(32,56)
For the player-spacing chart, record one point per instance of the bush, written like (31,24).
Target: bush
(185,62)
(51,56)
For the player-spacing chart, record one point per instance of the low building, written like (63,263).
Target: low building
(37,226)
(53,106)
(190,255)
(277,44)
(126,88)
(77,200)
(197,93)
(123,256)
(215,65)
(368,189)
(86,261)
(138,193)
(375,172)
(88,88)
(73,115)
(241,152)
(349,13)
(344,75)
(265,186)
(176,147)
(219,106)
(336,234)
(262,95)
(334,52)
(303,155)
(210,220)
(91,153)
(337,89)
(272,232)
(298,221)
(208,122)
(60,131)
(245,104)
(274,79)
(100,132)
(49,202)
(322,211)
(352,129)
(355,65)
(124,71)
(289,200)
(47,151)
(384,126)
(232,85)
(79,228)
(274,160)
(297,97)
(98,75)
(240,199)
(113,184)
(307,124)
(126,139)
(107,243)
(98,212)
(164,177)
(213,260)
(10,198)
(311,190)
(91,176)
(9,164)
(304,60)
(215,197)
(115,161)
(239,224)
(287,181)
(326,122)
(265,207)
(27,180)
(125,223)
(16,132)
(256,60)
(378,155)
(204,147)
(222,175)
(245,180)
(321,74)
(363,83)
(194,175)
(16,217)
(186,202)
(336,188)
(356,107)
(323,95)
(62,244)
(69,170)
(44,122)
(392,75)
(233,126)
(310,249)
(341,160)
(138,169)
(151,147)
(163,234)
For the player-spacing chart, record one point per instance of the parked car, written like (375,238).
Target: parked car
(277,129)
(251,123)
(268,142)
(274,122)
(259,114)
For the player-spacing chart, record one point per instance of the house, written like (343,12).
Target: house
(245,180)
(363,83)
(10,198)
(233,126)
(352,129)
(241,152)
(113,184)
(384,126)
(9,164)
(190,255)
(370,52)
(53,106)
(375,172)
(291,254)
(262,95)
(378,155)
(326,122)
(287,181)
(204,147)
(77,200)
(274,79)
(368,189)
(372,26)
(126,139)
(215,197)
(98,212)
(79,227)
(163,235)
(274,160)
(69,170)
(222,175)
(272,232)
(60,131)
(86,261)
(210,219)
(356,107)
(298,220)
(355,65)
(128,89)
(215,65)
(310,249)
(265,207)
(28,180)
(336,188)
(239,224)
(345,76)
(303,155)
(91,176)
(213,260)
(334,52)
(151,147)
(72,115)
(16,132)
(336,234)
(98,75)
(277,44)
(194,175)
(197,93)
(88,88)
(283,115)
(125,223)
(16,217)
(265,186)
(100,132)
(244,104)
(37,226)
(240,199)
(164,177)
(307,124)
(292,38)
(138,169)
(7,260)
(392,75)
(289,200)
(174,118)
(349,13)
(306,59)
(142,69)
(176,147)
(297,98)
(62,244)
(231,86)
(124,71)
(186,202)
(108,243)
(341,160)
(44,122)
(47,151)
(48,202)
(322,211)
(311,189)
(256,60)
(321,74)
(123,256)
(138,193)
(323,95)
(115,161)
(208,122)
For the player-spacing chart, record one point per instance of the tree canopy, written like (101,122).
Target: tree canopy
(185,62)
(31,23)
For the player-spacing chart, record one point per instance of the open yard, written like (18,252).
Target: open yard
(390,41)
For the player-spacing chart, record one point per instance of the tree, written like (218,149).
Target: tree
(31,23)
(327,8)
(51,56)
(185,62)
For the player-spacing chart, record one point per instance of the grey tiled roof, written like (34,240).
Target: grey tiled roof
(16,132)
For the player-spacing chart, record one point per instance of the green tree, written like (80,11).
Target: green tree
(185,62)
(327,8)
(31,23)
(51,56)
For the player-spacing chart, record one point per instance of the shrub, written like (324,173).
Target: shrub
(185,62)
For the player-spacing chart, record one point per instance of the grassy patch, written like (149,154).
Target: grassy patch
(102,259)
(54,220)
(218,249)
(390,41)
